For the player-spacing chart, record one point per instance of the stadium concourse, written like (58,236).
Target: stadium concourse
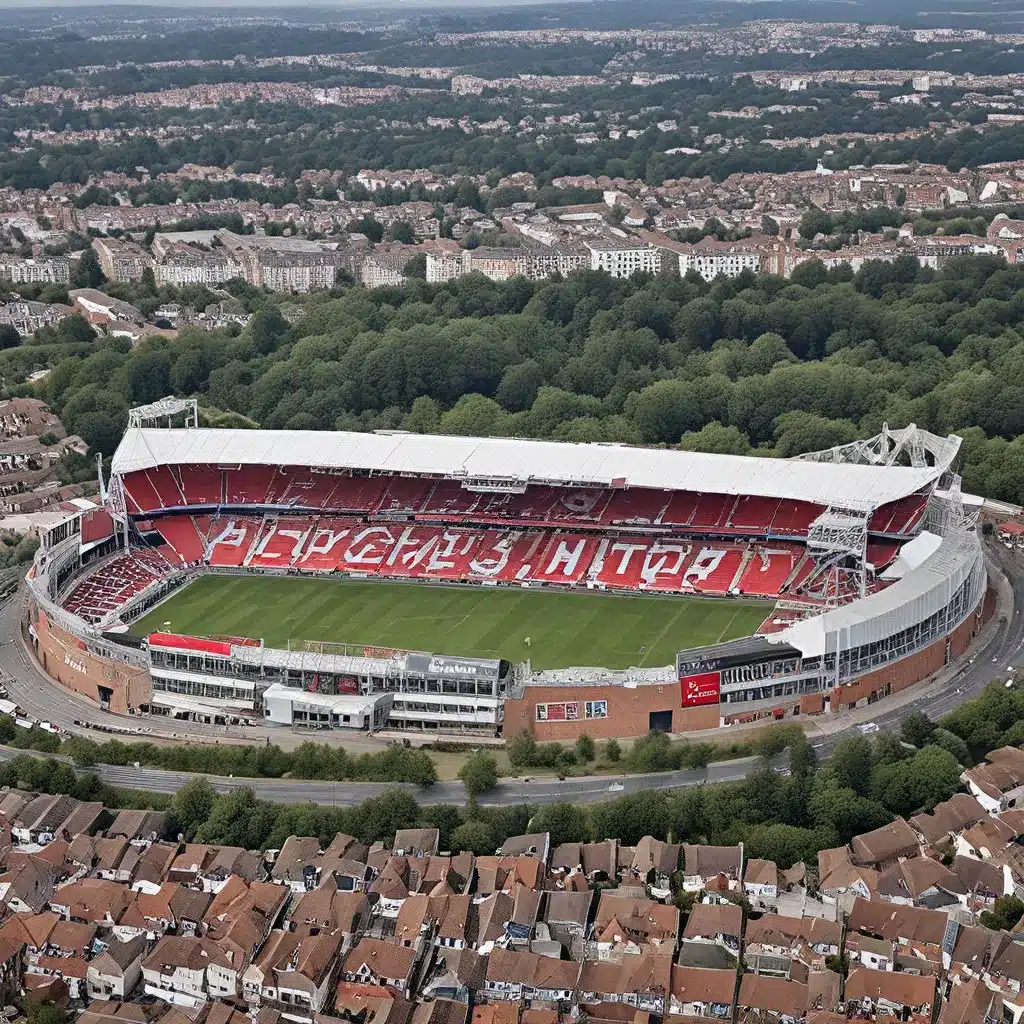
(866,548)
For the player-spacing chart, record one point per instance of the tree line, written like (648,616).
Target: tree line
(753,365)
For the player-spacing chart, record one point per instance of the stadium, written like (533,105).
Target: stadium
(484,585)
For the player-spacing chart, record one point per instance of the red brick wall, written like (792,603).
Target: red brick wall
(629,710)
(64,659)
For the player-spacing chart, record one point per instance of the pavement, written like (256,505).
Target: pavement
(1000,646)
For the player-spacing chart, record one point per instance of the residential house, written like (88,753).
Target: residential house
(972,1002)
(719,924)
(296,865)
(92,901)
(453,922)
(999,784)
(326,908)
(520,976)
(984,881)
(703,992)
(948,819)
(921,882)
(27,887)
(884,846)
(717,868)
(536,845)
(187,971)
(140,828)
(294,972)
(643,982)
(117,970)
(566,915)
(376,962)
(840,880)
(634,924)
(916,935)
(654,863)
(774,1000)
(907,997)
(790,946)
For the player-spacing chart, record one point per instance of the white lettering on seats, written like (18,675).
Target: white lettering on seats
(704,565)
(369,546)
(491,561)
(567,557)
(323,542)
(626,556)
(663,560)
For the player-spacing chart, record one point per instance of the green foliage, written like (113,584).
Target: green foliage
(475,836)
(9,336)
(585,748)
(479,774)
(86,271)
(751,364)
(916,729)
(612,751)
(1005,913)
(567,823)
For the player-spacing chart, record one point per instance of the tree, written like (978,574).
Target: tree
(954,744)
(192,805)
(522,749)
(716,439)
(1006,912)
(417,266)
(268,329)
(9,336)
(401,231)
(567,823)
(44,1012)
(613,751)
(479,774)
(474,836)
(86,271)
(916,729)
(585,748)
(75,330)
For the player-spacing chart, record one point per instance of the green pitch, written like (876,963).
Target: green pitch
(564,629)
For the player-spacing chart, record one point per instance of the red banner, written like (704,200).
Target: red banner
(703,688)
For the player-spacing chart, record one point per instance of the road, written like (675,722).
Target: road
(42,698)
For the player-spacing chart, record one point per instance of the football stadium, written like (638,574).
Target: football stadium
(478,585)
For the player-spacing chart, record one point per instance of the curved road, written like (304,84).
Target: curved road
(45,700)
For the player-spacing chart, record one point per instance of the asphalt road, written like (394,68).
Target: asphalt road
(43,699)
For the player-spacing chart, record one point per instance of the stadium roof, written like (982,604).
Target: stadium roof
(854,486)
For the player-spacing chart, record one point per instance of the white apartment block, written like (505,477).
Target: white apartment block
(622,259)
(55,270)
(712,262)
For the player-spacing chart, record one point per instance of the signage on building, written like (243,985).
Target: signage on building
(700,689)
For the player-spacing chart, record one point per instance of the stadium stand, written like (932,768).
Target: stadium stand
(116,582)
(766,572)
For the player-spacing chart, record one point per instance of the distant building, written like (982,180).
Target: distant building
(121,260)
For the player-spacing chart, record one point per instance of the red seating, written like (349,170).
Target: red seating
(140,494)
(900,518)
(713,570)
(882,553)
(202,485)
(115,583)
(405,495)
(794,518)
(766,572)
(167,486)
(358,493)
(230,539)
(680,508)
(185,536)
(280,541)
(712,510)
(248,486)
(754,514)
(450,498)
(565,559)
(641,505)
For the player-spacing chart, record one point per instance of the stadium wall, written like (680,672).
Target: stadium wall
(630,709)
(121,687)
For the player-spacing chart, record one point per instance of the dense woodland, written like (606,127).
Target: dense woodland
(755,364)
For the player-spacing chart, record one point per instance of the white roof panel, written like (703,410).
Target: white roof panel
(524,461)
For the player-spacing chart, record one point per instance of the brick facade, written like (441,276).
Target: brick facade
(63,658)
(630,708)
